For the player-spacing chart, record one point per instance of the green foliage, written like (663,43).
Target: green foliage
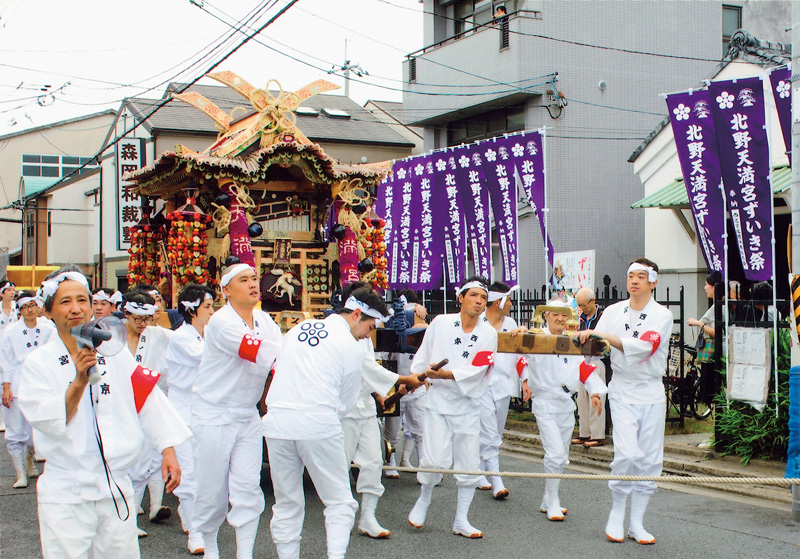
(749,433)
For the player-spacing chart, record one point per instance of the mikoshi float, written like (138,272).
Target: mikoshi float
(226,202)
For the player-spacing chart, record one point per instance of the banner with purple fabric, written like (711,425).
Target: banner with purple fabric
(450,215)
(386,207)
(739,120)
(780,81)
(475,201)
(696,144)
(426,267)
(499,172)
(406,197)
(527,151)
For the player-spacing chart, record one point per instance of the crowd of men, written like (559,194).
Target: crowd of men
(176,409)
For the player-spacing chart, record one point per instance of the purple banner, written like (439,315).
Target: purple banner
(445,187)
(739,120)
(475,201)
(499,169)
(528,154)
(696,143)
(780,81)
(406,197)
(426,265)
(387,209)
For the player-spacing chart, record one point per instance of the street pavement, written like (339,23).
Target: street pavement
(688,522)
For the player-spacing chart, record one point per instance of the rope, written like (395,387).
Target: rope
(695,480)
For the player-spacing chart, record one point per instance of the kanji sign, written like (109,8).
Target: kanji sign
(130,157)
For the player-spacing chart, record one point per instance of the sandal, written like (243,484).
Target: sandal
(591,443)
(580,440)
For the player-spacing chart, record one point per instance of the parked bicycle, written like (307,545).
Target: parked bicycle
(683,393)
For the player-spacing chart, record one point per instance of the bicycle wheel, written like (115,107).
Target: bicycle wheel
(700,410)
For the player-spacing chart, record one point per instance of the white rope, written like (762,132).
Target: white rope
(694,480)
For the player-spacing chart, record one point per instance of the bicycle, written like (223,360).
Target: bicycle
(683,393)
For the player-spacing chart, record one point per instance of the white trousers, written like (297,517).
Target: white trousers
(146,471)
(227,462)
(555,430)
(362,446)
(451,440)
(19,434)
(329,470)
(413,413)
(589,423)
(638,445)
(494,413)
(391,428)
(185,492)
(89,529)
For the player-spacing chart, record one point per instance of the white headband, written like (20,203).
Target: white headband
(192,305)
(495,295)
(558,304)
(22,301)
(235,270)
(103,296)
(7,285)
(352,303)
(116,298)
(652,276)
(49,287)
(139,309)
(469,285)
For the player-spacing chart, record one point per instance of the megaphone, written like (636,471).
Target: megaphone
(107,336)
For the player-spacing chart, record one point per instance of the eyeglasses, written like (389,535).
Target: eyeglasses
(581,305)
(142,319)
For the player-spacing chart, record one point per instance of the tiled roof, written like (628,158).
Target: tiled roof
(362,127)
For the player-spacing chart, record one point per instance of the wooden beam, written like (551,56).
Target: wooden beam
(687,228)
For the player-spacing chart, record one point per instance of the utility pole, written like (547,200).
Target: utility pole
(346,68)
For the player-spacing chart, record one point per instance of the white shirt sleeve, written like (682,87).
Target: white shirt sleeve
(228,338)
(469,377)
(378,378)
(6,359)
(161,423)
(43,406)
(595,385)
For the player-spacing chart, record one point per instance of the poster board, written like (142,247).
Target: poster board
(571,271)
(749,360)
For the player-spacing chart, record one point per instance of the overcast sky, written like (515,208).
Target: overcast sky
(99,47)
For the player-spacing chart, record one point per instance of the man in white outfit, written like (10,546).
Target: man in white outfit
(241,345)
(638,330)
(504,383)
(90,434)
(318,378)
(552,380)
(452,418)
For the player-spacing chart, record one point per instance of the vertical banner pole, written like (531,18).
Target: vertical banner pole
(545,211)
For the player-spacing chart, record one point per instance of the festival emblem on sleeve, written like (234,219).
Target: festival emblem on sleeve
(483,358)
(652,337)
(586,369)
(248,349)
(521,364)
(143,381)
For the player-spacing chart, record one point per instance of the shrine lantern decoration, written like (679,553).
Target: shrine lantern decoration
(143,260)
(187,245)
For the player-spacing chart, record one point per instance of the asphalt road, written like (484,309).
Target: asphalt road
(687,523)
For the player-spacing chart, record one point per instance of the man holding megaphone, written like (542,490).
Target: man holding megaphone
(90,434)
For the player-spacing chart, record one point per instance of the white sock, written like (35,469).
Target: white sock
(615,527)
(636,529)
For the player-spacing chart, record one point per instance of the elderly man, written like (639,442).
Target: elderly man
(591,426)
(638,330)
(90,434)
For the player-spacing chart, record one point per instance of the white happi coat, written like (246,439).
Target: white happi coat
(317,381)
(374,378)
(444,338)
(152,350)
(18,341)
(638,370)
(226,378)
(74,471)
(505,381)
(183,360)
(553,379)
(7,320)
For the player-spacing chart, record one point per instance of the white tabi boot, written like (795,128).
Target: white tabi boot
(289,550)
(22,478)
(391,474)
(554,511)
(30,465)
(417,515)
(210,549)
(408,448)
(195,543)
(636,529)
(367,523)
(461,525)
(615,527)
(498,488)
(483,483)
(158,512)
(246,539)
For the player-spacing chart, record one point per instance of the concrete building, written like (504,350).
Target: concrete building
(591,74)
(670,236)
(34,159)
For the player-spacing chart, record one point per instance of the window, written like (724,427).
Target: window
(731,21)
(486,125)
(54,166)
(30,223)
(412,70)
(336,113)
(49,224)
